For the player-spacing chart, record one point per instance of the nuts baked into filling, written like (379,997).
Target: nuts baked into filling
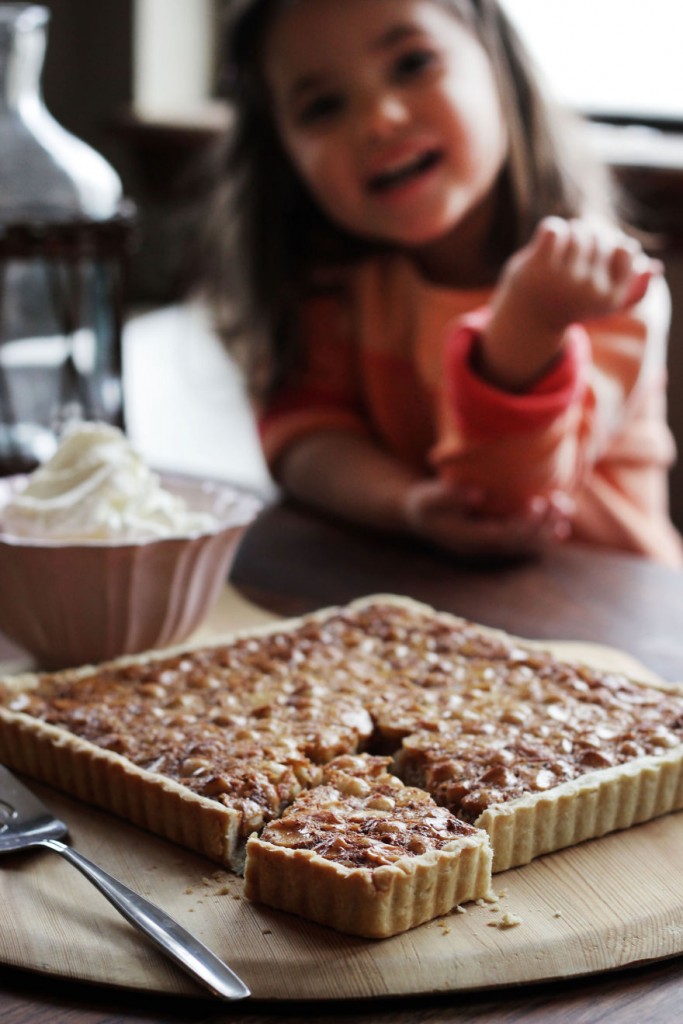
(395,858)
(361,815)
(532,727)
(539,752)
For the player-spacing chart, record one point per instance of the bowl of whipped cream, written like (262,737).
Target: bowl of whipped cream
(100,556)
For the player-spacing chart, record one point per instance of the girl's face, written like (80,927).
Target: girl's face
(390,113)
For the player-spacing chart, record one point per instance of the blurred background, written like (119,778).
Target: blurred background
(139,80)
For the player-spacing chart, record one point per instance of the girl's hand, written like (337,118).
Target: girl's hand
(446,514)
(570,271)
(578,270)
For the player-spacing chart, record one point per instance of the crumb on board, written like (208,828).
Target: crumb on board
(219,879)
(490,897)
(460,909)
(558,913)
(507,920)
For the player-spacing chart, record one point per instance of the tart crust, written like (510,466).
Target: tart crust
(106,780)
(586,808)
(599,803)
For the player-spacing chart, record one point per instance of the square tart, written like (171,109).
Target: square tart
(209,746)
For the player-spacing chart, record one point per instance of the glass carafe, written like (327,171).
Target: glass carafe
(64,232)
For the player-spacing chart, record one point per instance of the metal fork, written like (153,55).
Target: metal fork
(25,822)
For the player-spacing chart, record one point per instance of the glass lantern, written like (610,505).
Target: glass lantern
(65,231)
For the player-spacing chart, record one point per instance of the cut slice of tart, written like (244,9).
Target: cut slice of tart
(367,855)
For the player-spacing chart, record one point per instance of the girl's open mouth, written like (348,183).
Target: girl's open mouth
(409,171)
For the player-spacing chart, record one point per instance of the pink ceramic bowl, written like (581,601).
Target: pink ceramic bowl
(71,604)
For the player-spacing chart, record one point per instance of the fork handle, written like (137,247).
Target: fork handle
(187,951)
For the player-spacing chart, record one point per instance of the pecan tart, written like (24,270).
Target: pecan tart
(211,745)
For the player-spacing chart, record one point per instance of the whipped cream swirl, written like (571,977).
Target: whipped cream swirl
(96,487)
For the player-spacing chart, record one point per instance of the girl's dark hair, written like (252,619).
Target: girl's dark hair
(266,238)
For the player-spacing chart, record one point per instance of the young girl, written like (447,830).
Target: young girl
(448,334)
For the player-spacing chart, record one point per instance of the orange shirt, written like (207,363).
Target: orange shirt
(388,355)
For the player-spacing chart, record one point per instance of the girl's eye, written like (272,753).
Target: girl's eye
(321,108)
(413,63)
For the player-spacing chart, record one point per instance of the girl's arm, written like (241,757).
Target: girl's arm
(347,475)
(535,405)
(320,449)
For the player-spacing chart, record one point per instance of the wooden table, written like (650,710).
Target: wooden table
(292,562)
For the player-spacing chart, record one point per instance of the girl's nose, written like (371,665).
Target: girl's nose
(383,113)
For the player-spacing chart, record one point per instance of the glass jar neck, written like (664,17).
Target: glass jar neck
(23,36)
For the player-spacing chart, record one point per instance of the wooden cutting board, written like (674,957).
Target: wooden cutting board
(604,904)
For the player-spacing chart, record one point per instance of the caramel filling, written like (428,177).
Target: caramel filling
(362,816)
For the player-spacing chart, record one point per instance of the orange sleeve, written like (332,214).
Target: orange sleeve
(485,412)
(512,445)
(324,393)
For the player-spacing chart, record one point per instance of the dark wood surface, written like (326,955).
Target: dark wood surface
(292,562)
